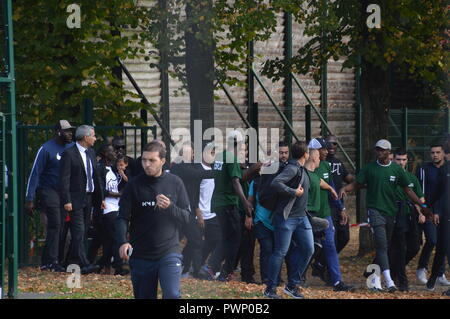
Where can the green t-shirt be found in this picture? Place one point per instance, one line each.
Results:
(382, 182)
(314, 193)
(324, 172)
(224, 194)
(413, 184)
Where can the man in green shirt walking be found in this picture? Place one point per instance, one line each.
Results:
(381, 179)
(227, 194)
(405, 242)
(328, 256)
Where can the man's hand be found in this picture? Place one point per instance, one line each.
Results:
(68, 207)
(248, 222)
(344, 218)
(103, 205)
(342, 193)
(29, 206)
(333, 194)
(248, 207)
(123, 251)
(200, 220)
(299, 191)
(162, 201)
(436, 219)
(426, 212)
(422, 219)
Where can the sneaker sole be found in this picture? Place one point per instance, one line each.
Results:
(287, 292)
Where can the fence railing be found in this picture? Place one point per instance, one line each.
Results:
(415, 130)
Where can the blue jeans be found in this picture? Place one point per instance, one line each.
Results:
(299, 230)
(146, 273)
(331, 255)
(265, 239)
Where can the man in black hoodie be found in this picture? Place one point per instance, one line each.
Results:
(156, 206)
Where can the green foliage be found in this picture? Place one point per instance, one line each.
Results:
(411, 38)
(58, 67)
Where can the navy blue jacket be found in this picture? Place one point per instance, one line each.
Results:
(45, 171)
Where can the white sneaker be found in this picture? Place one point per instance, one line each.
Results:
(422, 276)
(443, 281)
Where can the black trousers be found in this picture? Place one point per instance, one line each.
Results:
(246, 251)
(413, 236)
(230, 223)
(212, 237)
(79, 224)
(109, 243)
(399, 244)
(192, 252)
(50, 205)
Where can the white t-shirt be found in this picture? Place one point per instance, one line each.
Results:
(206, 192)
(112, 185)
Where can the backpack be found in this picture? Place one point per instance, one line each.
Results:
(268, 197)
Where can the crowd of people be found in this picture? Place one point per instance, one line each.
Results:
(140, 211)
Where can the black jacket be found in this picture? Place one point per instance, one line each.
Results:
(192, 175)
(286, 184)
(73, 178)
(153, 232)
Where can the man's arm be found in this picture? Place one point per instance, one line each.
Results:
(64, 177)
(424, 210)
(124, 215)
(351, 188)
(238, 190)
(33, 181)
(280, 181)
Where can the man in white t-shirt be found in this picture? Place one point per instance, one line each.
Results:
(209, 221)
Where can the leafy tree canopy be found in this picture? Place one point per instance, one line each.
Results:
(57, 67)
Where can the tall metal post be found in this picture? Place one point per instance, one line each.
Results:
(308, 131)
(359, 139)
(288, 78)
(88, 111)
(11, 152)
(165, 96)
(405, 128)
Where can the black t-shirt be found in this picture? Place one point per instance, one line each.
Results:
(338, 172)
(154, 232)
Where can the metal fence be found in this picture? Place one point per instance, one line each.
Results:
(415, 130)
(30, 138)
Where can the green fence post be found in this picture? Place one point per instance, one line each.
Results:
(144, 135)
(447, 122)
(405, 128)
(88, 111)
(308, 131)
(3, 209)
(288, 78)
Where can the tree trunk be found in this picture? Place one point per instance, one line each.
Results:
(200, 63)
(375, 97)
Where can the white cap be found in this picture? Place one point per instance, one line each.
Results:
(384, 144)
(317, 144)
(236, 135)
